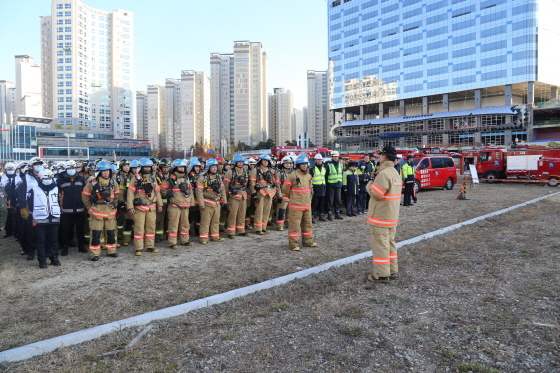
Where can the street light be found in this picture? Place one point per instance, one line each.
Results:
(68, 144)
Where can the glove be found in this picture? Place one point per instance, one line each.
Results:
(24, 213)
(169, 193)
(224, 206)
(255, 197)
(258, 187)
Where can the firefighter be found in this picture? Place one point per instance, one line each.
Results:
(333, 176)
(298, 188)
(250, 214)
(319, 188)
(143, 200)
(211, 195)
(9, 181)
(70, 185)
(194, 211)
(180, 194)
(407, 174)
(262, 182)
(235, 183)
(100, 199)
(161, 176)
(121, 177)
(221, 172)
(42, 201)
(383, 216)
(128, 174)
(287, 169)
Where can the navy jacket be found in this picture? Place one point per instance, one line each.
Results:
(71, 193)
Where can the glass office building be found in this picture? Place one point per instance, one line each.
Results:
(391, 58)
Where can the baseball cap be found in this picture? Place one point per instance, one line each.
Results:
(389, 150)
(409, 157)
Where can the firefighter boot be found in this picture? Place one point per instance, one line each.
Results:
(152, 250)
(381, 280)
(174, 247)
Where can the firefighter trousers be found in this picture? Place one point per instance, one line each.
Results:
(281, 214)
(160, 223)
(98, 227)
(178, 224)
(262, 212)
(300, 224)
(236, 216)
(210, 222)
(384, 250)
(144, 229)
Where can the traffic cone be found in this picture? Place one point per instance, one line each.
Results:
(463, 191)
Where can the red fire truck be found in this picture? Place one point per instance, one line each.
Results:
(521, 163)
(548, 168)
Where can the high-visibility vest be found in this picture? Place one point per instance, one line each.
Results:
(319, 175)
(335, 174)
(407, 170)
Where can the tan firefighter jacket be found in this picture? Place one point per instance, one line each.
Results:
(236, 181)
(385, 196)
(143, 193)
(180, 186)
(100, 197)
(282, 177)
(258, 184)
(298, 188)
(210, 190)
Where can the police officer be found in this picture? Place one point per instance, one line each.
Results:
(180, 194)
(210, 193)
(298, 189)
(235, 183)
(44, 209)
(9, 181)
(383, 217)
(334, 171)
(318, 173)
(143, 200)
(350, 187)
(100, 199)
(287, 169)
(70, 185)
(407, 174)
(263, 189)
(161, 176)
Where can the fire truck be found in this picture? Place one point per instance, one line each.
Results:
(281, 151)
(548, 168)
(520, 163)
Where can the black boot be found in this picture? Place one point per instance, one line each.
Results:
(55, 261)
(338, 216)
(43, 264)
(82, 249)
(64, 251)
(72, 244)
(313, 221)
(322, 218)
(329, 217)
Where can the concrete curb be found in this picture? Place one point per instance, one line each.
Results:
(49, 345)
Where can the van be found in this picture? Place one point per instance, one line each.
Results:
(433, 171)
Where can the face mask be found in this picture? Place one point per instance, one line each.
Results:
(38, 168)
(47, 182)
(71, 172)
(10, 172)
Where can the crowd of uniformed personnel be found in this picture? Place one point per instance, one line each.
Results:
(109, 204)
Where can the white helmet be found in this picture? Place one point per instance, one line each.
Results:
(10, 166)
(318, 156)
(70, 164)
(60, 164)
(252, 161)
(335, 153)
(34, 160)
(46, 174)
(287, 159)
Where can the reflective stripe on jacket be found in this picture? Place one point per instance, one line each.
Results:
(385, 196)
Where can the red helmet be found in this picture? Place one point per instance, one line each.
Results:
(220, 160)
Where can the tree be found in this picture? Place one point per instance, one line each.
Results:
(291, 142)
(265, 144)
(311, 145)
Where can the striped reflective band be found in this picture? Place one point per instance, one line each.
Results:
(301, 190)
(391, 197)
(380, 260)
(377, 189)
(300, 207)
(381, 222)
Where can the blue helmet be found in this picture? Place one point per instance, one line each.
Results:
(195, 162)
(211, 162)
(179, 163)
(246, 162)
(302, 158)
(238, 158)
(265, 157)
(134, 163)
(145, 162)
(114, 168)
(102, 166)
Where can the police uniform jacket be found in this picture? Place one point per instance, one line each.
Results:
(3, 207)
(100, 197)
(42, 202)
(236, 181)
(205, 192)
(71, 192)
(178, 190)
(385, 196)
(10, 182)
(350, 182)
(298, 189)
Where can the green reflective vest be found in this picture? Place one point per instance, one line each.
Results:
(335, 173)
(319, 175)
(407, 170)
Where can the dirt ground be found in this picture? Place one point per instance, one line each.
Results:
(462, 308)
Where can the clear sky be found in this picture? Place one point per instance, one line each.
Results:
(175, 35)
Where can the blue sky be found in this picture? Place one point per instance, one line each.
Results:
(175, 35)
